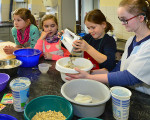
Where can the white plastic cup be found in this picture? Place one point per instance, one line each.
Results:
(44, 67)
(20, 91)
(120, 102)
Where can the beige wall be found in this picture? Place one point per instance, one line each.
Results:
(109, 8)
(5, 10)
(5, 4)
(66, 17)
(36, 6)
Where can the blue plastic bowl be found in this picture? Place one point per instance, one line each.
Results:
(46, 103)
(29, 57)
(6, 117)
(4, 78)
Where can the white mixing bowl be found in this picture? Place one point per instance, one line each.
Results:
(99, 92)
(82, 62)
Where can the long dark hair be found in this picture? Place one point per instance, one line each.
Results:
(97, 17)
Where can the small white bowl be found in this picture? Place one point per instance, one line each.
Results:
(44, 67)
(99, 92)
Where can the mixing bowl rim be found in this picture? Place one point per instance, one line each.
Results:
(5, 80)
(116, 87)
(58, 97)
(9, 116)
(85, 104)
(12, 67)
(27, 55)
(57, 66)
(19, 78)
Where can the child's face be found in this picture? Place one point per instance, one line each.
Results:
(50, 26)
(96, 30)
(19, 23)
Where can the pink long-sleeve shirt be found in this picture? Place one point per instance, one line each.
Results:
(54, 48)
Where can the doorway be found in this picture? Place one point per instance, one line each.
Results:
(82, 7)
(78, 16)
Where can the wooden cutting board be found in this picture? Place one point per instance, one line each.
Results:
(3, 55)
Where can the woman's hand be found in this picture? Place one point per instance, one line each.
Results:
(80, 45)
(43, 35)
(81, 74)
(9, 49)
(47, 56)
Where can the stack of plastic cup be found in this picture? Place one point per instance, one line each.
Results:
(20, 91)
(120, 102)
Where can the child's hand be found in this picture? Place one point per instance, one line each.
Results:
(43, 35)
(60, 33)
(47, 56)
(9, 49)
(80, 45)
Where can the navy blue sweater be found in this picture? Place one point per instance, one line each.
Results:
(106, 46)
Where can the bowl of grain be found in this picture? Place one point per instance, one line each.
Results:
(47, 107)
(67, 65)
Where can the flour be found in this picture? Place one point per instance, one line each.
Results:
(71, 64)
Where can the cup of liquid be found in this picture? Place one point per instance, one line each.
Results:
(120, 102)
(20, 91)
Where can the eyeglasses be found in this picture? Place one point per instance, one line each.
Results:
(126, 21)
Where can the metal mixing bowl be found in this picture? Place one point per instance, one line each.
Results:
(10, 67)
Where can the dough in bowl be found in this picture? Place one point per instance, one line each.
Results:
(3, 55)
(83, 98)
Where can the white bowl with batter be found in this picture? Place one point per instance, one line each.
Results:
(82, 63)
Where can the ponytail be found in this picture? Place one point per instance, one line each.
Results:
(146, 9)
(109, 27)
(33, 21)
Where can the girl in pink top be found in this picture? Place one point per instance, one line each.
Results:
(49, 42)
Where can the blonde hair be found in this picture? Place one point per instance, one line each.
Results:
(136, 7)
(25, 14)
(47, 17)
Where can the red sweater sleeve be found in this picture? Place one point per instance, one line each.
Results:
(66, 52)
(39, 45)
